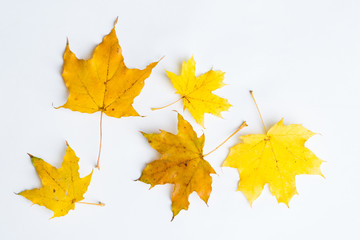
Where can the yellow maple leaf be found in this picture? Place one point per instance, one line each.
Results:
(181, 163)
(61, 187)
(103, 83)
(274, 158)
(196, 92)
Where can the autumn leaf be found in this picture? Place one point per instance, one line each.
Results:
(196, 92)
(182, 163)
(274, 158)
(103, 83)
(61, 187)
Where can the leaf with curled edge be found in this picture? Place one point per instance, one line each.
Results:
(182, 163)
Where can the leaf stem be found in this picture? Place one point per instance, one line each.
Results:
(96, 204)
(241, 127)
(98, 160)
(167, 105)
(252, 95)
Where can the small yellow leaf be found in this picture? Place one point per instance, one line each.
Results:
(275, 158)
(103, 83)
(61, 187)
(181, 163)
(197, 91)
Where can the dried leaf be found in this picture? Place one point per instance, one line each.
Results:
(103, 83)
(61, 187)
(181, 163)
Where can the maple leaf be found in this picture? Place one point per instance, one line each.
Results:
(196, 92)
(274, 158)
(182, 163)
(103, 83)
(61, 187)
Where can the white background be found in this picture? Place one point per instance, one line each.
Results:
(301, 58)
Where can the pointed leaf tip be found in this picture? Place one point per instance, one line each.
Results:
(161, 58)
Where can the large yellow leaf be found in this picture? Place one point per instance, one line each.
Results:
(61, 187)
(181, 163)
(103, 83)
(197, 93)
(275, 158)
